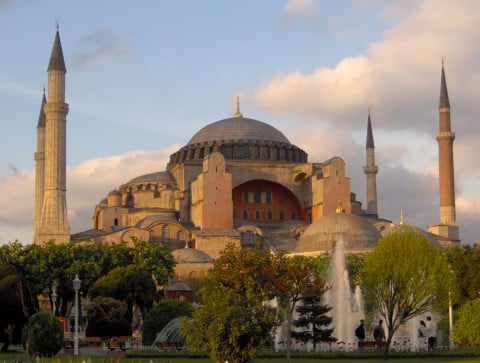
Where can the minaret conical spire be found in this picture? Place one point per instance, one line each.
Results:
(444, 101)
(56, 57)
(370, 170)
(41, 115)
(370, 143)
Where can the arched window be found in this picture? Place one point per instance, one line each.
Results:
(258, 215)
(115, 222)
(180, 238)
(269, 215)
(248, 239)
(281, 216)
(245, 214)
(165, 233)
(293, 215)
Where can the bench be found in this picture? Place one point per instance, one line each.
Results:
(169, 345)
(371, 344)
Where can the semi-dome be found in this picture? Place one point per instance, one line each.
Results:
(358, 234)
(238, 129)
(158, 177)
(190, 255)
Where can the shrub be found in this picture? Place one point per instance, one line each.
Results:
(42, 334)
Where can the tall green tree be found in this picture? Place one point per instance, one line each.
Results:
(17, 303)
(465, 264)
(466, 331)
(405, 276)
(130, 284)
(312, 321)
(289, 279)
(234, 321)
(42, 334)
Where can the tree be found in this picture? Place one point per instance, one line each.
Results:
(160, 315)
(106, 318)
(312, 320)
(43, 334)
(289, 279)
(131, 284)
(234, 320)
(466, 330)
(465, 263)
(405, 276)
(17, 303)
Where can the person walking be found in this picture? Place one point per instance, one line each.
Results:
(431, 334)
(379, 333)
(422, 335)
(360, 331)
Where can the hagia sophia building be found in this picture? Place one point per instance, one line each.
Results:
(236, 180)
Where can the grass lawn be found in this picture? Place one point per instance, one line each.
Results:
(119, 358)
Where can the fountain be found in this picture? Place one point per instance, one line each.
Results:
(171, 336)
(347, 308)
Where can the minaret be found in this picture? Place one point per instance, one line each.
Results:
(53, 221)
(371, 170)
(447, 229)
(39, 157)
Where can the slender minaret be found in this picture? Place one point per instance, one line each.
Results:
(445, 138)
(371, 170)
(53, 220)
(447, 229)
(39, 157)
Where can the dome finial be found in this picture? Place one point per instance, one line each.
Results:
(238, 114)
(340, 209)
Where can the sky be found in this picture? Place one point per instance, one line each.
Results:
(144, 76)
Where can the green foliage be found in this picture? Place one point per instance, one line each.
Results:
(312, 320)
(42, 334)
(52, 264)
(16, 304)
(405, 276)
(465, 264)
(290, 279)
(234, 321)
(466, 330)
(160, 315)
(106, 318)
(131, 284)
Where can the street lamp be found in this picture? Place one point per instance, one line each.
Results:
(54, 298)
(450, 321)
(76, 286)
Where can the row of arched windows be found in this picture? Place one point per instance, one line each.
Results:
(269, 216)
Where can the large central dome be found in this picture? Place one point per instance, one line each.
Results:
(239, 138)
(238, 129)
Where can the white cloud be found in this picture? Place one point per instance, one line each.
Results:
(87, 184)
(399, 78)
(299, 9)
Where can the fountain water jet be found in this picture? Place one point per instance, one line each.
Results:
(347, 308)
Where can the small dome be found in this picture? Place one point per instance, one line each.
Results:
(190, 255)
(160, 176)
(115, 192)
(104, 202)
(238, 128)
(357, 233)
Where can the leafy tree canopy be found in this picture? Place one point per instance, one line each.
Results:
(404, 276)
(234, 320)
(466, 330)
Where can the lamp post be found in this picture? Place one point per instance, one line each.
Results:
(54, 298)
(76, 287)
(450, 321)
